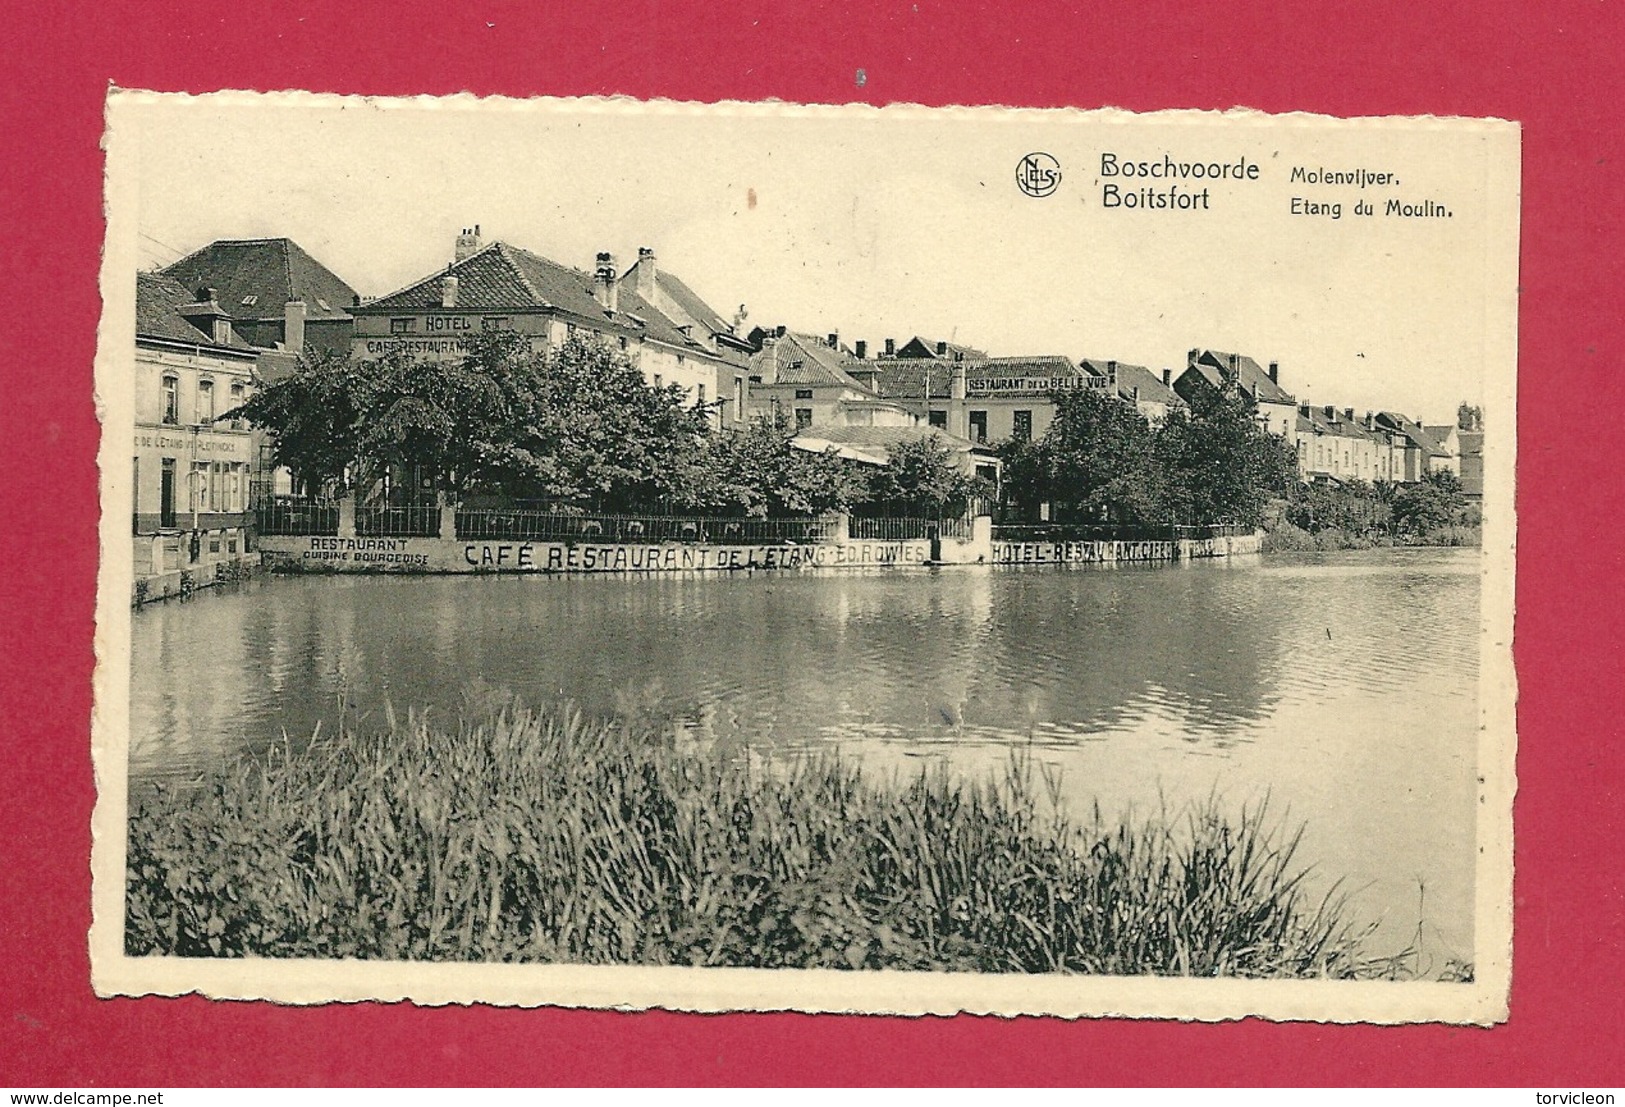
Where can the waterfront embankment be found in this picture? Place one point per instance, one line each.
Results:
(546, 837)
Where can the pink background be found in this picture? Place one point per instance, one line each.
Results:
(1552, 66)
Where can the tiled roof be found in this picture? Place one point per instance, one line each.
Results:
(804, 359)
(158, 301)
(927, 348)
(684, 298)
(908, 378)
(1214, 364)
(1413, 431)
(1130, 377)
(255, 277)
(506, 278)
(1341, 427)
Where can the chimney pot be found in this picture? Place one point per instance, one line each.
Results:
(647, 273)
(891, 347)
(861, 348)
(1167, 378)
(1275, 371)
(468, 244)
(605, 290)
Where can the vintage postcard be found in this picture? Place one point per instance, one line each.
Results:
(833, 559)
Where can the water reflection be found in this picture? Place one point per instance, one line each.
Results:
(1341, 684)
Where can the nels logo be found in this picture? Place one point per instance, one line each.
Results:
(1038, 174)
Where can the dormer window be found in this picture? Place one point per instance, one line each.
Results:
(323, 304)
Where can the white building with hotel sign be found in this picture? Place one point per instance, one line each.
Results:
(667, 331)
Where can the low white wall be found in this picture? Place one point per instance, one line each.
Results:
(443, 555)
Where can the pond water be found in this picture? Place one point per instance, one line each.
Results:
(1341, 685)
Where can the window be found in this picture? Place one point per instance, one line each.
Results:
(978, 426)
(172, 400)
(803, 418)
(237, 396)
(205, 401)
(1022, 424)
(403, 326)
(937, 419)
(250, 301)
(198, 487)
(803, 393)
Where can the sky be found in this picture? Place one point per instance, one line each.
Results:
(878, 223)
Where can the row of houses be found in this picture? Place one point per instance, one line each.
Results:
(238, 313)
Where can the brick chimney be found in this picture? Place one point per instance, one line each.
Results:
(1348, 414)
(1111, 371)
(1275, 372)
(833, 339)
(293, 325)
(942, 348)
(891, 347)
(646, 273)
(1167, 377)
(957, 384)
(1192, 357)
(448, 291)
(1331, 413)
(468, 243)
(605, 289)
(861, 349)
(1235, 364)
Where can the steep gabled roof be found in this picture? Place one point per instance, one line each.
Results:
(922, 347)
(158, 303)
(1130, 377)
(1414, 431)
(506, 278)
(1215, 365)
(803, 359)
(255, 277)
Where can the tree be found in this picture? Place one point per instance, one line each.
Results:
(756, 471)
(1218, 463)
(1098, 454)
(316, 418)
(576, 423)
(1435, 501)
(922, 477)
(1469, 417)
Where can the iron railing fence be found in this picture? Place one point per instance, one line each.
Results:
(1112, 532)
(903, 528)
(296, 515)
(542, 526)
(397, 520)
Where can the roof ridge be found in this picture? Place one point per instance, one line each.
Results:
(506, 252)
(287, 269)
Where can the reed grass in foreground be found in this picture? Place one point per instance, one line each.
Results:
(542, 837)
